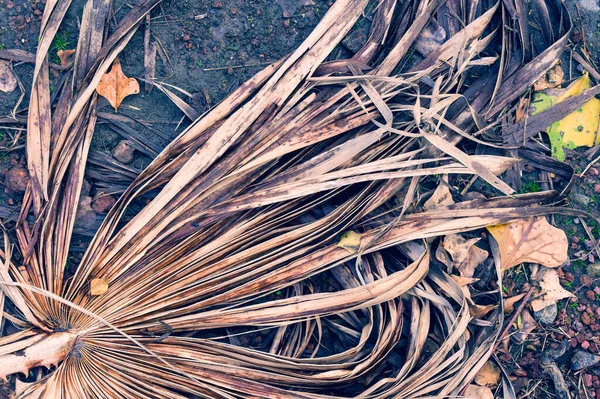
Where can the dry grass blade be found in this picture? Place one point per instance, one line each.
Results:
(239, 240)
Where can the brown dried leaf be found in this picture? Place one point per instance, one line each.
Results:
(115, 86)
(552, 291)
(65, 56)
(465, 255)
(530, 240)
(463, 281)
(509, 303)
(522, 109)
(441, 197)
(478, 392)
(479, 311)
(488, 375)
(553, 78)
(98, 286)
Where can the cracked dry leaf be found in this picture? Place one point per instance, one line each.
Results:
(552, 291)
(98, 286)
(441, 197)
(350, 241)
(478, 392)
(530, 240)
(465, 255)
(488, 375)
(115, 86)
(579, 128)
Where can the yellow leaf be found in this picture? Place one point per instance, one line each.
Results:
(530, 240)
(488, 375)
(579, 128)
(350, 241)
(98, 286)
(115, 86)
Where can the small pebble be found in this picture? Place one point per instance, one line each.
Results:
(582, 360)
(102, 203)
(597, 188)
(123, 152)
(585, 345)
(16, 179)
(587, 380)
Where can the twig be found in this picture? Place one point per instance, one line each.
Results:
(514, 316)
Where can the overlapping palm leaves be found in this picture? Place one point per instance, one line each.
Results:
(239, 238)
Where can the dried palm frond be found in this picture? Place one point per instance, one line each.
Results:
(240, 239)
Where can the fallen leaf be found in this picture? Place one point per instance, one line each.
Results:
(488, 375)
(476, 311)
(530, 240)
(579, 128)
(479, 311)
(478, 392)
(551, 79)
(8, 80)
(115, 86)
(522, 109)
(441, 197)
(509, 303)
(552, 291)
(65, 56)
(525, 325)
(350, 241)
(463, 281)
(465, 255)
(98, 286)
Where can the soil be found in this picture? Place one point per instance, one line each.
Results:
(208, 48)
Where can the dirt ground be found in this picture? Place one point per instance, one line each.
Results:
(208, 48)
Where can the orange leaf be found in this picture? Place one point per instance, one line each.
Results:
(98, 286)
(65, 56)
(488, 375)
(530, 240)
(115, 86)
